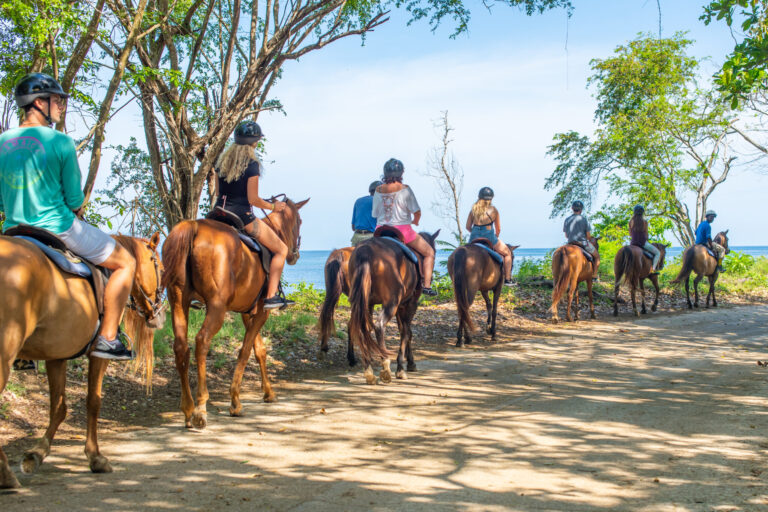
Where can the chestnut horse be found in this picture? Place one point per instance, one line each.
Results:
(569, 268)
(51, 316)
(336, 283)
(381, 274)
(472, 269)
(632, 267)
(697, 259)
(206, 260)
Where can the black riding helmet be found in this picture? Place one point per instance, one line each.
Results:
(639, 209)
(247, 133)
(393, 168)
(37, 85)
(485, 193)
(577, 205)
(373, 186)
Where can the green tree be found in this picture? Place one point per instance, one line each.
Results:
(660, 140)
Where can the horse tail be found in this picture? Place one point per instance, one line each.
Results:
(360, 322)
(333, 288)
(460, 288)
(687, 267)
(561, 271)
(176, 251)
(622, 267)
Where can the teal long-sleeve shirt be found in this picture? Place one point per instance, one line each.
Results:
(39, 178)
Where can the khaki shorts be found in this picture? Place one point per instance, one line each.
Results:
(88, 242)
(361, 237)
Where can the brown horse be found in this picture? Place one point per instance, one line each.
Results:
(51, 316)
(206, 260)
(569, 268)
(632, 267)
(381, 274)
(472, 269)
(697, 259)
(336, 283)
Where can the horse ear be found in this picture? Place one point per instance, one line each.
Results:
(513, 247)
(302, 203)
(154, 240)
(434, 235)
(726, 231)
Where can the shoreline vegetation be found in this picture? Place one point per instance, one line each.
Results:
(293, 346)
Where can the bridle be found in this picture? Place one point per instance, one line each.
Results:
(153, 307)
(297, 241)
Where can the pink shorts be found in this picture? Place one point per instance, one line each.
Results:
(409, 235)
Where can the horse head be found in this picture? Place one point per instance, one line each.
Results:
(722, 239)
(289, 230)
(663, 250)
(430, 238)
(512, 252)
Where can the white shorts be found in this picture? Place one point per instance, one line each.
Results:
(88, 242)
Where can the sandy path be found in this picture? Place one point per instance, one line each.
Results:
(633, 415)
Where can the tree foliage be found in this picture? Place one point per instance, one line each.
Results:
(659, 141)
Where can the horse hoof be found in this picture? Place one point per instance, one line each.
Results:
(594, 316)
(411, 367)
(386, 377)
(352, 362)
(460, 344)
(7, 478)
(370, 379)
(555, 320)
(199, 421)
(401, 375)
(645, 312)
(100, 464)
(696, 305)
(493, 337)
(637, 314)
(31, 462)
(270, 397)
(236, 411)
(653, 308)
(321, 354)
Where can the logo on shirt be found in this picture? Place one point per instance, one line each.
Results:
(22, 160)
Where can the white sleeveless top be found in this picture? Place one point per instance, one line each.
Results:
(395, 208)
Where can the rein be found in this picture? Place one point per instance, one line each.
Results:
(297, 242)
(155, 306)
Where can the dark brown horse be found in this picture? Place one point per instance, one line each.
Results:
(697, 259)
(50, 316)
(569, 268)
(632, 267)
(207, 261)
(472, 269)
(336, 283)
(381, 274)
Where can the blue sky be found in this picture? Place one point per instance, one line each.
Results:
(508, 85)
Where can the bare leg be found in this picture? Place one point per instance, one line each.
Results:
(502, 249)
(96, 369)
(123, 267)
(279, 252)
(57, 381)
(428, 258)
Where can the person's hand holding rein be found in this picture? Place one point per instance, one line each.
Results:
(278, 206)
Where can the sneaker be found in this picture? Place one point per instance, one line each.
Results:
(429, 292)
(508, 282)
(720, 269)
(277, 302)
(111, 349)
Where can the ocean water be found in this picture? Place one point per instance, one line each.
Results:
(310, 266)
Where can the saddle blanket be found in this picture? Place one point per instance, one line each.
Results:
(406, 250)
(498, 258)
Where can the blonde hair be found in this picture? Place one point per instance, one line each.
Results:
(482, 207)
(234, 160)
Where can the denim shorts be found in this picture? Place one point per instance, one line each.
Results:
(483, 232)
(88, 242)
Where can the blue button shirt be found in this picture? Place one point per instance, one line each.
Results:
(361, 214)
(703, 232)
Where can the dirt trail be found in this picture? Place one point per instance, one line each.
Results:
(661, 413)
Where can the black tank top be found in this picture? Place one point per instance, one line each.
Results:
(236, 193)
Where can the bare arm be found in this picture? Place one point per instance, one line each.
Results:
(416, 218)
(497, 223)
(255, 200)
(469, 222)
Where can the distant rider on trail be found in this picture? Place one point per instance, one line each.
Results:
(638, 232)
(40, 186)
(393, 205)
(237, 171)
(484, 222)
(577, 231)
(363, 222)
(704, 237)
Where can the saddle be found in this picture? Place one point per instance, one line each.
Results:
(709, 251)
(68, 262)
(586, 254)
(486, 244)
(227, 217)
(396, 237)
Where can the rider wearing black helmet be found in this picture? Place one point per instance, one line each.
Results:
(363, 222)
(484, 221)
(237, 185)
(638, 232)
(40, 186)
(577, 231)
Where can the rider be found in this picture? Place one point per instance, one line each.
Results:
(363, 223)
(237, 171)
(638, 231)
(704, 237)
(482, 216)
(40, 186)
(393, 205)
(577, 231)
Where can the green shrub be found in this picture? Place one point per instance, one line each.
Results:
(306, 296)
(738, 263)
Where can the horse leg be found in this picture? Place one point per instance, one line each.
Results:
(350, 350)
(180, 321)
(260, 353)
(642, 297)
(236, 407)
(633, 293)
(407, 318)
(578, 303)
(488, 309)
(495, 309)
(96, 369)
(403, 330)
(711, 291)
(214, 318)
(57, 380)
(688, 293)
(387, 312)
(616, 286)
(591, 301)
(655, 280)
(696, 289)
(571, 287)
(7, 479)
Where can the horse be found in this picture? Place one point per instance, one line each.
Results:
(206, 260)
(381, 273)
(697, 259)
(336, 283)
(569, 268)
(51, 316)
(472, 269)
(631, 266)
